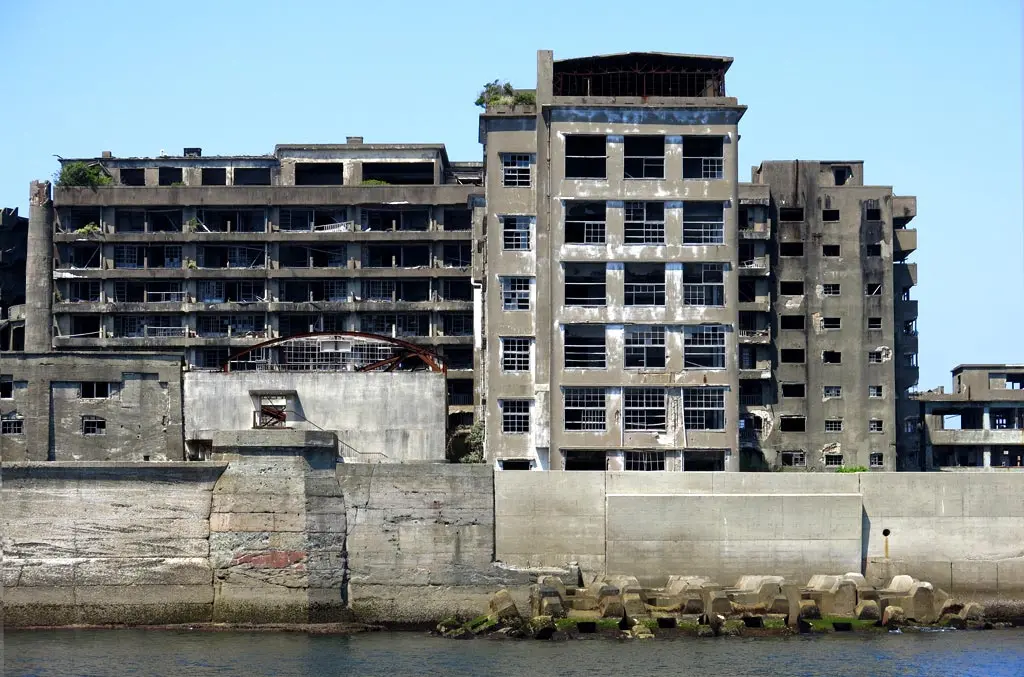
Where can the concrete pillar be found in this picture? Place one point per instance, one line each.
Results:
(39, 270)
(986, 455)
(986, 419)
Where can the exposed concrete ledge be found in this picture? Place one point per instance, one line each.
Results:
(175, 471)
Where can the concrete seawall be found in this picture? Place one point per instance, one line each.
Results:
(290, 537)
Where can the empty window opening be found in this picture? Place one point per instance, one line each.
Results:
(791, 249)
(791, 213)
(829, 215)
(133, 177)
(829, 323)
(704, 346)
(703, 460)
(231, 220)
(791, 356)
(251, 176)
(832, 392)
(72, 220)
(873, 250)
(93, 425)
(831, 289)
(319, 174)
(231, 257)
(747, 289)
(454, 290)
(515, 354)
(875, 357)
(877, 459)
(395, 219)
(791, 287)
(704, 284)
(164, 292)
(164, 221)
(833, 460)
(704, 408)
(644, 222)
(793, 459)
(457, 255)
(515, 168)
(387, 256)
(873, 289)
(644, 157)
(516, 464)
(703, 223)
(399, 173)
(643, 409)
(644, 461)
(458, 357)
(841, 174)
(645, 284)
(231, 325)
(87, 291)
(873, 214)
(458, 219)
(703, 157)
(752, 393)
(214, 176)
(874, 323)
(585, 346)
(584, 460)
(129, 291)
(585, 222)
(794, 390)
(515, 231)
(584, 409)
(585, 284)
(169, 176)
(830, 250)
(515, 416)
(832, 357)
(875, 391)
(748, 357)
(129, 221)
(585, 156)
(791, 322)
(85, 326)
(793, 424)
(457, 324)
(875, 425)
(6, 387)
(645, 347)
(398, 324)
(515, 293)
(833, 425)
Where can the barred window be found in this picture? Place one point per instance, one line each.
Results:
(516, 169)
(644, 222)
(515, 293)
(834, 425)
(832, 392)
(704, 284)
(584, 409)
(515, 416)
(645, 347)
(644, 460)
(515, 354)
(644, 408)
(516, 232)
(704, 347)
(703, 223)
(704, 408)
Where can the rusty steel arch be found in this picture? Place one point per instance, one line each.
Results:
(379, 353)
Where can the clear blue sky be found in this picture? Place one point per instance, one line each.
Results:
(927, 93)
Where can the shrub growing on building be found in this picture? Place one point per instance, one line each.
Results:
(82, 174)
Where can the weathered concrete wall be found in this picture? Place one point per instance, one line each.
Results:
(378, 417)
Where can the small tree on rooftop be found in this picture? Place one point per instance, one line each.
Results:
(82, 174)
(496, 92)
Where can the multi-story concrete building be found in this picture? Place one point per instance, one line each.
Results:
(611, 267)
(211, 255)
(978, 425)
(828, 335)
(13, 239)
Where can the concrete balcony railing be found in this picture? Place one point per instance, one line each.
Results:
(755, 231)
(975, 437)
(763, 371)
(904, 241)
(904, 275)
(760, 304)
(755, 266)
(904, 208)
(906, 310)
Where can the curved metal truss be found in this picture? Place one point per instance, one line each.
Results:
(335, 351)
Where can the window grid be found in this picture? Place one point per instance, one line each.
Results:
(704, 284)
(795, 459)
(875, 425)
(703, 223)
(645, 347)
(516, 233)
(830, 289)
(515, 293)
(704, 408)
(832, 392)
(834, 425)
(874, 391)
(516, 169)
(644, 461)
(876, 459)
(515, 354)
(584, 409)
(833, 460)
(515, 416)
(644, 409)
(583, 351)
(704, 347)
(875, 357)
(644, 222)
(93, 425)
(12, 426)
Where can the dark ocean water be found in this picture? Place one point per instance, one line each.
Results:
(103, 653)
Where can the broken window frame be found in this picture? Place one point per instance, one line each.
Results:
(876, 425)
(704, 408)
(704, 346)
(515, 232)
(638, 166)
(579, 282)
(699, 165)
(833, 425)
(704, 284)
(831, 289)
(702, 223)
(832, 392)
(516, 170)
(831, 323)
(584, 231)
(515, 293)
(872, 289)
(644, 293)
(515, 353)
(834, 461)
(585, 164)
(457, 324)
(94, 425)
(643, 225)
(584, 352)
(876, 392)
(584, 409)
(644, 409)
(874, 323)
(876, 460)
(93, 290)
(12, 423)
(515, 416)
(874, 357)
(793, 459)
(380, 291)
(129, 256)
(97, 390)
(643, 461)
(644, 347)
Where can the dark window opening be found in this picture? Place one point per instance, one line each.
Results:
(793, 424)
(395, 219)
(873, 214)
(252, 176)
(585, 156)
(585, 222)
(451, 290)
(793, 390)
(791, 213)
(164, 221)
(94, 390)
(873, 250)
(169, 176)
(133, 177)
(585, 460)
(645, 347)
(399, 173)
(830, 250)
(832, 357)
(75, 219)
(703, 460)
(638, 75)
(791, 288)
(460, 391)
(458, 357)
(791, 356)
(85, 326)
(791, 322)
(645, 284)
(231, 221)
(585, 346)
(830, 215)
(791, 249)
(644, 157)
(703, 158)
(831, 323)
(215, 176)
(402, 256)
(793, 459)
(516, 464)
(6, 388)
(319, 174)
(747, 290)
(874, 323)
(841, 176)
(458, 219)
(458, 255)
(585, 284)
(873, 289)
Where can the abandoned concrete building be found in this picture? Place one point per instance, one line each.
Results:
(13, 240)
(646, 311)
(980, 424)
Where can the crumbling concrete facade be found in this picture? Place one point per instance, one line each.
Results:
(979, 425)
(13, 242)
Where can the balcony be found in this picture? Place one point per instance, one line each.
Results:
(904, 208)
(755, 231)
(906, 310)
(972, 437)
(759, 373)
(757, 266)
(904, 242)
(755, 336)
(904, 275)
(759, 304)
